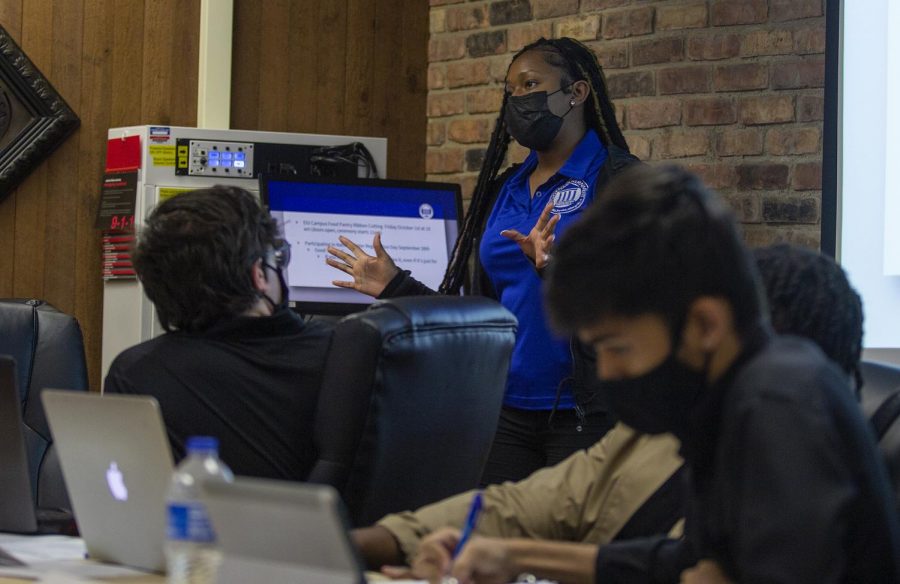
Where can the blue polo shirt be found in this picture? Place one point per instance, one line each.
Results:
(540, 359)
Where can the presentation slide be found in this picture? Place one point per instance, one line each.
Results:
(415, 243)
(869, 181)
(417, 222)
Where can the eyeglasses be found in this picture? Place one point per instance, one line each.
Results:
(281, 254)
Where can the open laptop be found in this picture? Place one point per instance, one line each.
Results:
(117, 465)
(280, 532)
(17, 506)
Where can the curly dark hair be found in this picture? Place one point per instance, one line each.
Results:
(195, 256)
(653, 241)
(810, 296)
(577, 62)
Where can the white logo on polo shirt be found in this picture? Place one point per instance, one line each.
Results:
(569, 196)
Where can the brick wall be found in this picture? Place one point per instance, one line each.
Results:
(730, 88)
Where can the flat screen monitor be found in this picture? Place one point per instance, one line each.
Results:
(418, 222)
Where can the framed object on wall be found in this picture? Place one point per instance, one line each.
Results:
(34, 118)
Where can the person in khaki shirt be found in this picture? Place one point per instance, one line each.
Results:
(594, 496)
(589, 497)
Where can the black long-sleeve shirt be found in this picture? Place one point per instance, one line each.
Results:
(784, 481)
(253, 382)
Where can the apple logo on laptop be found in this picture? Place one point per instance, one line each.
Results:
(116, 482)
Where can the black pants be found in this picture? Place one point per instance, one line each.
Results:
(528, 440)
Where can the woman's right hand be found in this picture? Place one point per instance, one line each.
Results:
(536, 245)
(371, 274)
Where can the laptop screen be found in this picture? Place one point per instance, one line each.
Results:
(117, 464)
(276, 531)
(418, 222)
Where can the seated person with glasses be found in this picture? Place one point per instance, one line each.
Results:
(234, 362)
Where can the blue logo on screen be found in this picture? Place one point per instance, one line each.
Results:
(426, 211)
(570, 196)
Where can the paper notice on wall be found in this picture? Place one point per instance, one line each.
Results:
(166, 193)
(123, 154)
(118, 194)
(162, 154)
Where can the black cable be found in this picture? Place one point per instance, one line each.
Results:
(354, 153)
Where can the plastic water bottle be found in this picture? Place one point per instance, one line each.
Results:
(192, 556)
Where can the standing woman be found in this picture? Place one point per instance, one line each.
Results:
(555, 103)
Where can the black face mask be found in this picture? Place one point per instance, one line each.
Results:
(284, 290)
(660, 400)
(530, 120)
(281, 254)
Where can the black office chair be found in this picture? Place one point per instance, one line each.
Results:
(410, 400)
(49, 352)
(880, 398)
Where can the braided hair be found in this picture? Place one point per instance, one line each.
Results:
(809, 295)
(578, 63)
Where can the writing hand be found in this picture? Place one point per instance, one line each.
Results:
(484, 560)
(399, 573)
(536, 245)
(435, 555)
(705, 572)
(370, 273)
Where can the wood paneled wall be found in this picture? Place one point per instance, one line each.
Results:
(353, 67)
(337, 66)
(117, 63)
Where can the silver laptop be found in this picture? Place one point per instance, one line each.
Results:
(280, 532)
(117, 465)
(17, 510)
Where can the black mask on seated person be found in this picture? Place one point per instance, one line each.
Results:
(281, 256)
(284, 290)
(660, 400)
(530, 121)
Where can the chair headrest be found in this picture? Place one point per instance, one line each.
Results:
(880, 380)
(426, 312)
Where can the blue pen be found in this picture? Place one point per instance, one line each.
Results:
(471, 522)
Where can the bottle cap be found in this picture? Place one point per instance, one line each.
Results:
(202, 444)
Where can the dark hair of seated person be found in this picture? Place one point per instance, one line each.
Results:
(653, 241)
(195, 255)
(810, 295)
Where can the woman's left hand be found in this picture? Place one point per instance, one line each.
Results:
(371, 274)
(536, 245)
